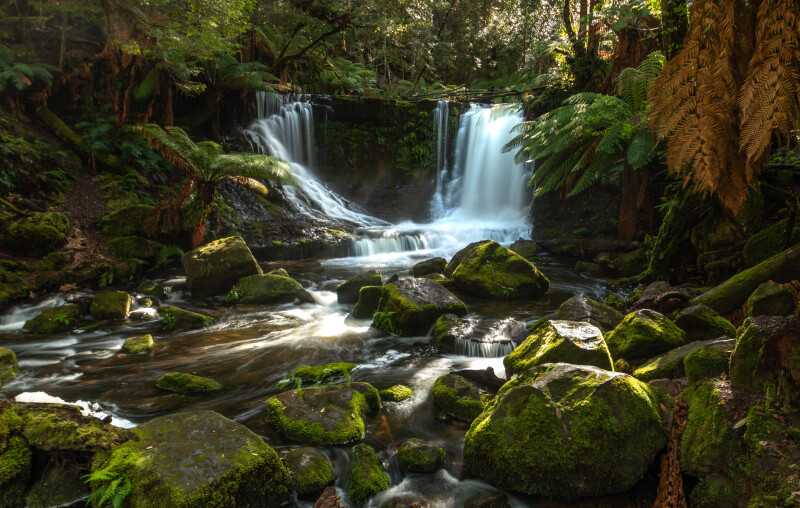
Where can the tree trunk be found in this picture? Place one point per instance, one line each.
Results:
(674, 25)
(63, 49)
(634, 193)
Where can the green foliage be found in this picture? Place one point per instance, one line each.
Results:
(135, 265)
(343, 77)
(233, 295)
(168, 254)
(17, 76)
(592, 136)
(385, 321)
(110, 488)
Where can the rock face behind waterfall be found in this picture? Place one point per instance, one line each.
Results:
(411, 305)
(566, 430)
(214, 268)
(487, 269)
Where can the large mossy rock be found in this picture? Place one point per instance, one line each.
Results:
(348, 291)
(411, 305)
(671, 364)
(766, 243)
(141, 344)
(709, 361)
(270, 288)
(565, 430)
(199, 458)
(642, 334)
(707, 439)
(418, 456)
(8, 365)
(151, 288)
(15, 460)
(128, 221)
(396, 393)
(560, 342)
(368, 299)
(525, 248)
(53, 320)
(477, 335)
(367, 477)
(128, 247)
(326, 415)
(213, 269)
(181, 382)
(61, 485)
(750, 340)
(311, 471)
(179, 319)
(38, 234)
(429, 266)
(770, 299)
(460, 398)
(489, 270)
(325, 373)
(581, 308)
(632, 263)
(699, 322)
(111, 305)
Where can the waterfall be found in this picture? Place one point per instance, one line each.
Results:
(285, 129)
(441, 124)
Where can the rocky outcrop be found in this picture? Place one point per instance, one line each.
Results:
(412, 305)
(271, 288)
(311, 471)
(348, 291)
(53, 320)
(214, 268)
(418, 456)
(642, 334)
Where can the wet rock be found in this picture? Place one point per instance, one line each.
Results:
(586, 248)
(39, 233)
(477, 336)
(642, 334)
(8, 365)
(766, 243)
(771, 299)
(661, 297)
(709, 360)
(460, 398)
(271, 288)
(150, 288)
(111, 305)
(367, 477)
(279, 271)
(368, 299)
(128, 221)
(750, 340)
(199, 458)
(134, 345)
(214, 268)
(179, 319)
(297, 267)
(488, 500)
(560, 342)
(326, 415)
(489, 270)
(348, 291)
(671, 364)
(672, 387)
(555, 430)
(311, 471)
(396, 393)
(418, 456)
(322, 373)
(53, 320)
(703, 323)
(632, 263)
(580, 308)
(328, 499)
(412, 305)
(590, 269)
(61, 485)
(433, 265)
(525, 248)
(708, 435)
(128, 247)
(180, 382)
(485, 377)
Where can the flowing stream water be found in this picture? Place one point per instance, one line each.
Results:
(250, 349)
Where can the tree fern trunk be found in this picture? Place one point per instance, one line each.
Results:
(674, 25)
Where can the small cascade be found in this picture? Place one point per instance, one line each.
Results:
(483, 337)
(393, 240)
(441, 123)
(466, 347)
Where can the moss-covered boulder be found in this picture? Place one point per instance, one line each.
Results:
(324, 373)
(642, 334)
(565, 430)
(699, 322)
(460, 398)
(135, 345)
(396, 393)
(179, 319)
(213, 268)
(111, 305)
(750, 340)
(671, 364)
(39, 233)
(12, 285)
(348, 291)
(367, 477)
(632, 263)
(53, 320)
(15, 459)
(181, 382)
(477, 335)
(418, 456)
(560, 342)
(411, 305)
(128, 221)
(311, 471)
(766, 243)
(61, 485)
(326, 415)
(128, 247)
(770, 299)
(368, 299)
(151, 288)
(8, 365)
(708, 361)
(708, 436)
(198, 458)
(525, 248)
(583, 309)
(429, 266)
(269, 288)
(489, 270)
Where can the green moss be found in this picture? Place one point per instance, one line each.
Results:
(766, 243)
(112, 305)
(429, 266)
(368, 299)
(128, 221)
(712, 492)
(213, 268)
(15, 459)
(12, 286)
(710, 360)
(128, 247)
(322, 373)
(770, 299)
(179, 319)
(348, 291)
(707, 439)
(148, 287)
(8, 365)
(134, 345)
(53, 320)
(311, 471)
(671, 364)
(367, 477)
(459, 398)
(413, 306)
(39, 234)
(60, 486)
(396, 393)
(750, 341)
(642, 334)
(418, 456)
(181, 382)
(633, 263)
(560, 341)
(54, 261)
(270, 288)
(703, 323)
